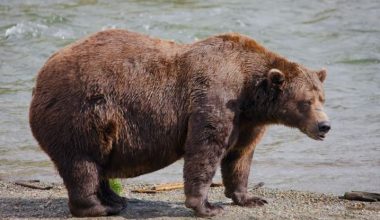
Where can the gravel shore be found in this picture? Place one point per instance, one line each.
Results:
(22, 202)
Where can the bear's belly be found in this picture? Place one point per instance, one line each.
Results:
(148, 141)
(137, 163)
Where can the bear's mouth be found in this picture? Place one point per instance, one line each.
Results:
(316, 136)
(321, 137)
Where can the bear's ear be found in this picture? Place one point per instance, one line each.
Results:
(276, 78)
(322, 74)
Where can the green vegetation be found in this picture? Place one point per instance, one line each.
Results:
(116, 186)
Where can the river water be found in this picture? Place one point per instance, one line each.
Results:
(343, 36)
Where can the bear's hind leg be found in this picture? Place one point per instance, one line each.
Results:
(82, 180)
(109, 197)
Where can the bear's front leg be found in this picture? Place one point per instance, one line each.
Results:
(236, 167)
(204, 149)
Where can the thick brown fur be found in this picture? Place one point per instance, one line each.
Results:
(122, 104)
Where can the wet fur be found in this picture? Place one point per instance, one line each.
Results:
(122, 104)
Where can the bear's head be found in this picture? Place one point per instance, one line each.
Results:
(298, 98)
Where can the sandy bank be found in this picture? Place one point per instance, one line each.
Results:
(21, 202)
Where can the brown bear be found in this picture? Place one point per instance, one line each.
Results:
(119, 104)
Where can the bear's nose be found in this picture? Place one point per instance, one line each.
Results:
(324, 126)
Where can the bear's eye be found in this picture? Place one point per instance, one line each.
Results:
(307, 102)
(321, 99)
(305, 105)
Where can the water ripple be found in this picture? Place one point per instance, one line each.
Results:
(25, 29)
(360, 61)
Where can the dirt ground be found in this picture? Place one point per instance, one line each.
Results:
(22, 202)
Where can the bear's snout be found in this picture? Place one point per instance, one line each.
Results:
(323, 128)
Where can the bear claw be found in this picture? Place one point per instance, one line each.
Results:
(251, 202)
(209, 210)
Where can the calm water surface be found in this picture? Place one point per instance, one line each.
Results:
(343, 36)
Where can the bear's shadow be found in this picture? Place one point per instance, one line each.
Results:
(141, 209)
(58, 208)
(34, 208)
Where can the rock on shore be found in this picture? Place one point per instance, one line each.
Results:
(22, 202)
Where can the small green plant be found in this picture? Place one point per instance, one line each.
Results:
(116, 185)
